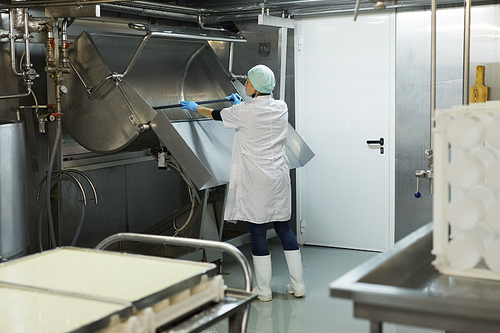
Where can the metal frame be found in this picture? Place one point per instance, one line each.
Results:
(236, 320)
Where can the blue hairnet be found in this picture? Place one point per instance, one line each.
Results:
(262, 78)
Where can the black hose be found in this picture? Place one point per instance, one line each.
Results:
(80, 222)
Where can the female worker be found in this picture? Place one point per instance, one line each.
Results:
(259, 186)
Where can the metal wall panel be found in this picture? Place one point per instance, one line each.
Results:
(413, 93)
(152, 194)
(130, 198)
(108, 217)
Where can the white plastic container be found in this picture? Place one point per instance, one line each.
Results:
(467, 191)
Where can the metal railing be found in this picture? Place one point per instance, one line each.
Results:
(192, 243)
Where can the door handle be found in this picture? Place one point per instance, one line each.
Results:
(376, 142)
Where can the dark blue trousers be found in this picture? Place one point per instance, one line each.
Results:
(259, 241)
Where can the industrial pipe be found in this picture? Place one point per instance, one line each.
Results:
(12, 45)
(29, 74)
(27, 57)
(136, 53)
(467, 9)
(433, 63)
(282, 45)
(231, 60)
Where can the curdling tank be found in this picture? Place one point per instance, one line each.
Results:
(118, 79)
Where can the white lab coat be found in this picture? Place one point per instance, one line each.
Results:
(259, 182)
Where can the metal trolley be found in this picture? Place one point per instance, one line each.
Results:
(235, 305)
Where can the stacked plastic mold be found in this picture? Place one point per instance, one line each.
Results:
(467, 191)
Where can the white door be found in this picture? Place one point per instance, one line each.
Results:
(345, 96)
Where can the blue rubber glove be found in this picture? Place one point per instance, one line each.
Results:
(235, 98)
(190, 105)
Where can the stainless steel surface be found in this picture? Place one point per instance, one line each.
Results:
(433, 64)
(413, 121)
(283, 33)
(192, 243)
(14, 219)
(216, 154)
(227, 307)
(297, 151)
(402, 286)
(131, 197)
(273, 21)
(212, 143)
(12, 48)
(98, 129)
(156, 11)
(195, 169)
(73, 11)
(193, 73)
(189, 33)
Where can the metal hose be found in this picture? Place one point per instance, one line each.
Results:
(47, 184)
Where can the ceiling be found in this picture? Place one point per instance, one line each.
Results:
(213, 11)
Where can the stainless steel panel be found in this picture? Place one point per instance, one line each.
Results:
(165, 72)
(14, 220)
(413, 50)
(190, 163)
(73, 11)
(413, 104)
(297, 151)
(212, 143)
(108, 121)
(152, 195)
(168, 71)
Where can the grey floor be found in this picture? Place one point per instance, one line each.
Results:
(317, 312)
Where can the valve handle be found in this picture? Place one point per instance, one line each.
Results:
(417, 194)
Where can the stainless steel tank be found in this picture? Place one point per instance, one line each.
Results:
(107, 111)
(14, 220)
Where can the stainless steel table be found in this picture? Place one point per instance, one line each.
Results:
(401, 285)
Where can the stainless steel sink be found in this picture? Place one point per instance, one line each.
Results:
(402, 286)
